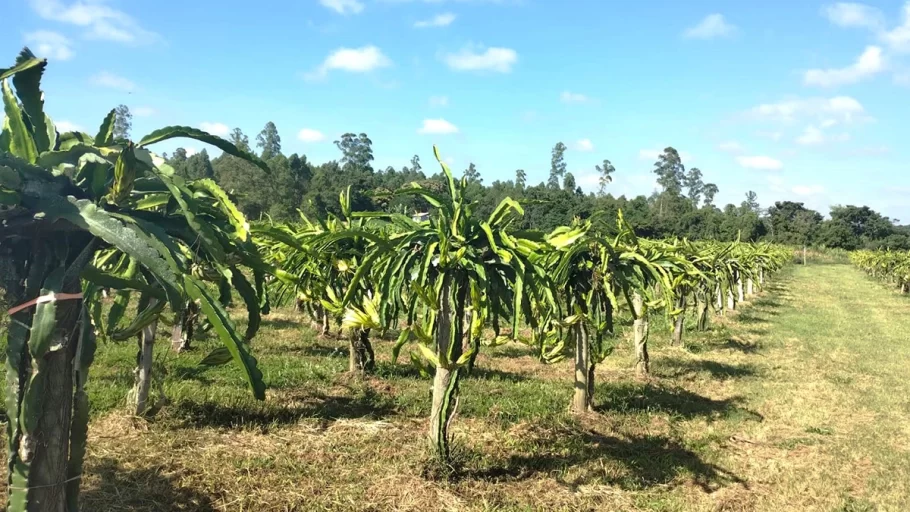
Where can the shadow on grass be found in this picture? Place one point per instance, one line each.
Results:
(510, 351)
(408, 371)
(675, 368)
(280, 323)
(322, 351)
(746, 347)
(124, 379)
(644, 461)
(750, 316)
(768, 303)
(290, 409)
(196, 373)
(145, 489)
(631, 398)
(305, 349)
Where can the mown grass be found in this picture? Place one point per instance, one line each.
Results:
(799, 401)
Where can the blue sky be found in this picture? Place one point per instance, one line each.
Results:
(803, 100)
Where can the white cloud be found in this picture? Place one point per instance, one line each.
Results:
(100, 20)
(475, 58)
(439, 101)
(353, 60)
(879, 150)
(66, 126)
(869, 63)
(437, 127)
(763, 163)
(343, 6)
(843, 105)
(711, 27)
(219, 129)
(828, 123)
(573, 97)
(588, 179)
(143, 111)
(190, 151)
(776, 182)
(654, 154)
(813, 136)
(842, 108)
(808, 190)
(846, 14)
(899, 37)
(310, 135)
(584, 145)
(871, 18)
(775, 136)
(730, 147)
(107, 79)
(440, 20)
(50, 45)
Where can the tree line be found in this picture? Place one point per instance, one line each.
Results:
(684, 206)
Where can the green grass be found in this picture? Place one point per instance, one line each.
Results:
(799, 401)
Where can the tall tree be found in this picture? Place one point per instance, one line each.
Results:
(269, 141)
(301, 171)
(123, 122)
(792, 223)
(670, 171)
(557, 165)
(472, 174)
(805, 223)
(568, 183)
(521, 178)
(356, 151)
(694, 185)
(710, 190)
(415, 164)
(197, 167)
(249, 186)
(606, 170)
(670, 174)
(178, 161)
(240, 139)
(751, 202)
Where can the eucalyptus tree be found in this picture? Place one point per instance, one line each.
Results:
(606, 176)
(65, 198)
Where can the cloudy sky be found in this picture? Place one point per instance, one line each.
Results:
(803, 100)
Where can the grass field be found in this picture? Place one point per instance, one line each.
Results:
(800, 401)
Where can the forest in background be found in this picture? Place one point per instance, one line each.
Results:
(683, 207)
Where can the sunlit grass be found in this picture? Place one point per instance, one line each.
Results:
(799, 401)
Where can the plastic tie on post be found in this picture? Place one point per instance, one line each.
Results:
(50, 297)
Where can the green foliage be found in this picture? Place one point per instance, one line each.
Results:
(108, 211)
(889, 266)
